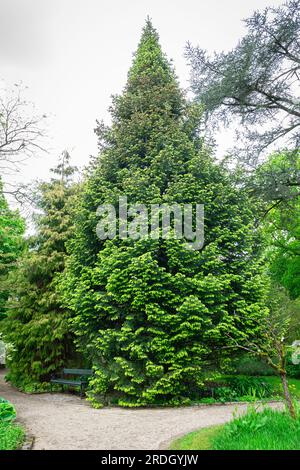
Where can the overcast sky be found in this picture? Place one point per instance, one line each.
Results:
(73, 54)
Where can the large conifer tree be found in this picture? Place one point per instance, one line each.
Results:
(36, 328)
(148, 313)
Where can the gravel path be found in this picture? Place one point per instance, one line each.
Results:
(62, 421)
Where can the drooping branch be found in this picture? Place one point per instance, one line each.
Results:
(257, 82)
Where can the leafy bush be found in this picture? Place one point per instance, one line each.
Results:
(208, 400)
(27, 384)
(253, 386)
(237, 388)
(266, 430)
(11, 436)
(7, 411)
(224, 394)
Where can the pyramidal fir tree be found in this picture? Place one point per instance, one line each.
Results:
(36, 328)
(149, 313)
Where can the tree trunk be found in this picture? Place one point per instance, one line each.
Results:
(287, 395)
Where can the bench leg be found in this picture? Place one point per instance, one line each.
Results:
(81, 391)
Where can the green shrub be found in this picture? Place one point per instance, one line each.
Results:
(253, 386)
(7, 411)
(27, 384)
(11, 436)
(266, 430)
(237, 388)
(224, 394)
(208, 400)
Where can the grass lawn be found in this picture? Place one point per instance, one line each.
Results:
(197, 440)
(265, 430)
(294, 384)
(11, 436)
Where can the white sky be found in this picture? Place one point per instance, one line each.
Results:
(73, 54)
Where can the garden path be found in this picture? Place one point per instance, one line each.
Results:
(63, 421)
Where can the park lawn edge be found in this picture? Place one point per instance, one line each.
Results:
(199, 439)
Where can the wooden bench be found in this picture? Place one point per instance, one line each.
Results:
(79, 379)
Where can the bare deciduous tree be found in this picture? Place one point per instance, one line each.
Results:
(21, 136)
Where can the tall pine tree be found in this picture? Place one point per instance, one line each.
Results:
(36, 329)
(149, 314)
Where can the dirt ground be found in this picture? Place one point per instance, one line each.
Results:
(64, 421)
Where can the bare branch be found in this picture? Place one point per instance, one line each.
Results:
(21, 131)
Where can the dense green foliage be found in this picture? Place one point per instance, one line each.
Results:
(7, 411)
(238, 388)
(11, 435)
(276, 181)
(285, 248)
(11, 246)
(243, 385)
(149, 314)
(248, 365)
(275, 383)
(196, 440)
(36, 328)
(230, 388)
(255, 85)
(267, 430)
(279, 177)
(288, 309)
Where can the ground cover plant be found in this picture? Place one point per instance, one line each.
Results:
(231, 388)
(265, 429)
(11, 434)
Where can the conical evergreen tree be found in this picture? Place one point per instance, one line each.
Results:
(149, 313)
(11, 245)
(36, 328)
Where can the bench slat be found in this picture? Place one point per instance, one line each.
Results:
(65, 381)
(78, 371)
(81, 381)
